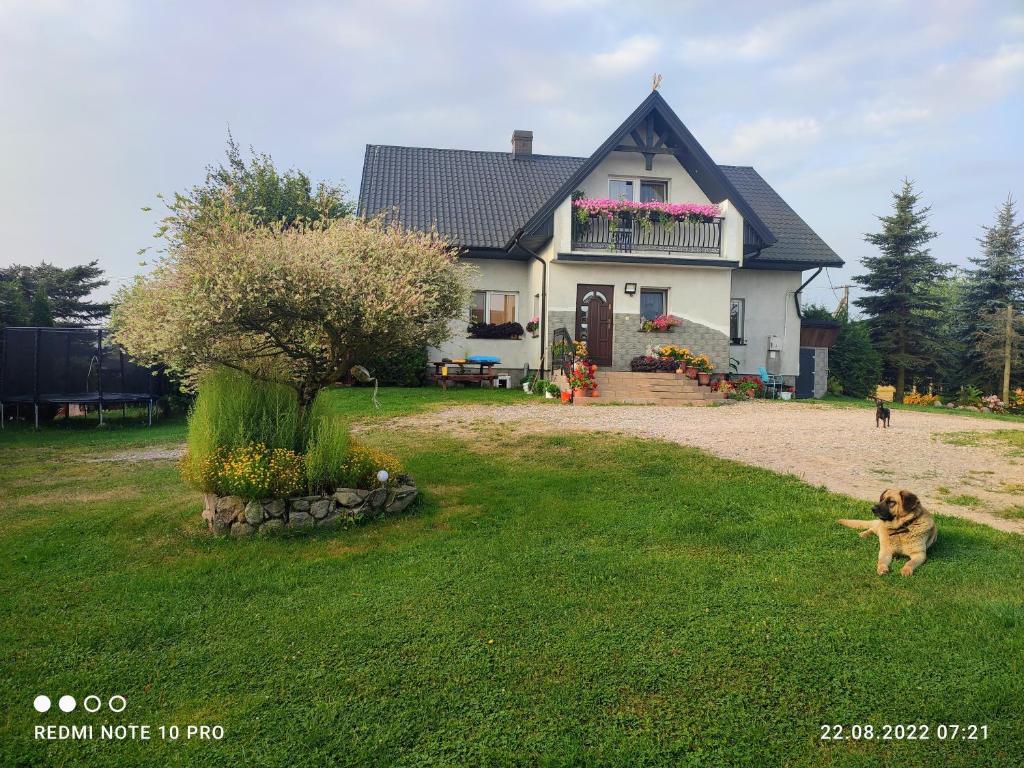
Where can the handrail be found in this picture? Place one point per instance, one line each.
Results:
(625, 233)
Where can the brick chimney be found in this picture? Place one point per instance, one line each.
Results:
(522, 145)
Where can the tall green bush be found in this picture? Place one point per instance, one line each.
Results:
(403, 367)
(327, 446)
(232, 410)
(854, 361)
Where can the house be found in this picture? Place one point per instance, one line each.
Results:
(647, 225)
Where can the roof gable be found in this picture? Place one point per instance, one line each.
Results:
(654, 127)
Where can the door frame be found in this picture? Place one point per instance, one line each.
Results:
(607, 292)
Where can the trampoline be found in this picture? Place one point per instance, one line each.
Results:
(72, 366)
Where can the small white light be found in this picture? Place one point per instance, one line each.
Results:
(383, 476)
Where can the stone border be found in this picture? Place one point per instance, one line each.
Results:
(233, 515)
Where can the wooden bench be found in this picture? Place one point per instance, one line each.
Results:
(446, 372)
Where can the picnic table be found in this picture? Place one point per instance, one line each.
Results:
(446, 371)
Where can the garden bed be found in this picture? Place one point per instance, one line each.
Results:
(346, 506)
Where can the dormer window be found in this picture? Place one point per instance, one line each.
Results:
(638, 190)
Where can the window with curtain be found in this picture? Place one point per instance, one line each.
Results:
(653, 302)
(493, 307)
(653, 191)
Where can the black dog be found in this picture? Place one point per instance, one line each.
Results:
(882, 414)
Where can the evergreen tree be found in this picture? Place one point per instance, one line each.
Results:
(40, 312)
(997, 280)
(900, 301)
(13, 307)
(67, 289)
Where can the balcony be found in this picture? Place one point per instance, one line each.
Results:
(625, 234)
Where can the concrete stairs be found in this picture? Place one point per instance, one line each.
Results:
(649, 389)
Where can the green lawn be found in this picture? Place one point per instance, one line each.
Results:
(556, 600)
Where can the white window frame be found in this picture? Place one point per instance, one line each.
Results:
(653, 289)
(487, 303)
(741, 339)
(637, 180)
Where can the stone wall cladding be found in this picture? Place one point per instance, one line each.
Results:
(628, 341)
(232, 515)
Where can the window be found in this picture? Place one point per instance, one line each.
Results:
(653, 303)
(493, 307)
(620, 189)
(650, 190)
(737, 313)
(653, 191)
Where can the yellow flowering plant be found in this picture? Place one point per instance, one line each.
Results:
(360, 468)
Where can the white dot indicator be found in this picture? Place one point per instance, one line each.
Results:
(66, 703)
(42, 703)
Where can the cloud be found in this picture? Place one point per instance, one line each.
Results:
(767, 132)
(882, 118)
(631, 54)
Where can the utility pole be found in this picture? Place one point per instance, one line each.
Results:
(1007, 352)
(844, 303)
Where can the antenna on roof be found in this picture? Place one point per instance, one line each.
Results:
(655, 82)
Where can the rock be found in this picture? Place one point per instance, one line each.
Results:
(209, 506)
(225, 512)
(349, 497)
(321, 508)
(400, 498)
(298, 519)
(986, 409)
(272, 525)
(337, 516)
(377, 499)
(273, 508)
(299, 505)
(254, 513)
(242, 529)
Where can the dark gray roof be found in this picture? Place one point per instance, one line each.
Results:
(796, 241)
(480, 199)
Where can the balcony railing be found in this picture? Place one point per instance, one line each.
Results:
(625, 234)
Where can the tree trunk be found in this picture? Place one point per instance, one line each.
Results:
(1007, 353)
(901, 371)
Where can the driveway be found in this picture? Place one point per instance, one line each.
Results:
(839, 448)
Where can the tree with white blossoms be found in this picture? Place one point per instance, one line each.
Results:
(298, 305)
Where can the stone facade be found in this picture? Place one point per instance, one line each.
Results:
(238, 517)
(628, 341)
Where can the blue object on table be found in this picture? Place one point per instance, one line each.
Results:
(483, 359)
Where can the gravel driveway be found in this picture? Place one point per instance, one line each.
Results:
(839, 448)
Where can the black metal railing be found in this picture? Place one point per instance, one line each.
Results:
(563, 351)
(625, 234)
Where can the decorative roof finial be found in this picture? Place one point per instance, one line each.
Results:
(655, 82)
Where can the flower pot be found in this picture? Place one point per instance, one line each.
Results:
(786, 395)
(527, 388)
(703, 378)
(549, 395)
(680, 371)
(583, 392)
(691, 372)
(566, 396)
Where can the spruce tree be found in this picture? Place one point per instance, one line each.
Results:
(14, 309)
(900, 303)
(40, 313)
(997, 280)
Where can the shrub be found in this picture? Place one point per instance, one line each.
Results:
(401, 368)
(258, 472)
(327, 447)
(359, 470)
(854, 361)
(233, 410)
(916, 398)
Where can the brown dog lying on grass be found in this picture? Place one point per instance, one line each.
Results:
(903, 527)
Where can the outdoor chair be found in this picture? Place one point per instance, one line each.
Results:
(771, 382)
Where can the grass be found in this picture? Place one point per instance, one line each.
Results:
(1009, 441)
(843, 401)
(556, 599)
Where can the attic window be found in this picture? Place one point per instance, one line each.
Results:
(651, 190)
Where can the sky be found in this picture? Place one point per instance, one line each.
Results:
(108, 103)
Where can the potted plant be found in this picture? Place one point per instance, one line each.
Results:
(552, 391)
(528, 383)
(660, 324)
(704, 368)
(566, 396)
(540, 387)
(581, 378)
(533, 326)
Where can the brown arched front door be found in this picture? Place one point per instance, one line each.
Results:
(594, 320)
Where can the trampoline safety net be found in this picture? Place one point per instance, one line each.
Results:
(72, 365)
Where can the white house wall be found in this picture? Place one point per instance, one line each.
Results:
(770, 311)
(520, 277)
